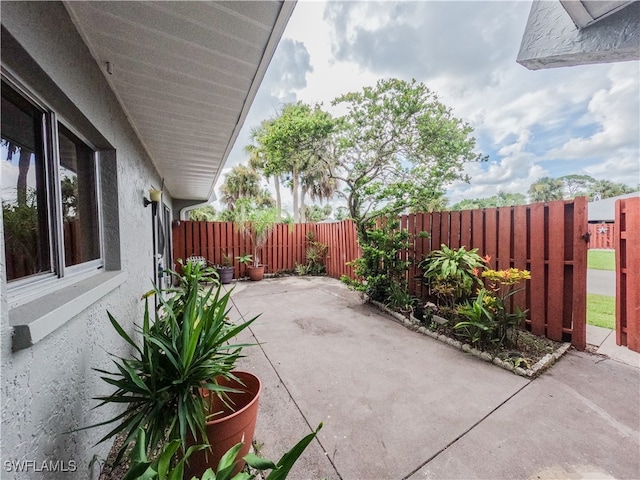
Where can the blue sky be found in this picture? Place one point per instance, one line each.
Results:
(552, 122)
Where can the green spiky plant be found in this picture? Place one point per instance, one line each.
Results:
(452, 273)
(187, 347)
(167, 467)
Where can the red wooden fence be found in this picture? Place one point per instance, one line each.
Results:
(603, 235)
(285, 246)
(628, 273)
(546, 239)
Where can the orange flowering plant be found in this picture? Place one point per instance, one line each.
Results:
(489, 318)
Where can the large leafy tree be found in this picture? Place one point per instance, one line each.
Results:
(397, 146)
(502, 199)
(576, 185)
(546, 189)
(293, 143)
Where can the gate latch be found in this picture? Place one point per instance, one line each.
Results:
(586, 236)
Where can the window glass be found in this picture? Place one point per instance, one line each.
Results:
(77, 172)
(23, 188)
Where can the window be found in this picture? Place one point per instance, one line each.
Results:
(49, 193)
(79, 204)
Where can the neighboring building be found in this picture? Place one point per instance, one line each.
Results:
(101, 102)
(604, 211)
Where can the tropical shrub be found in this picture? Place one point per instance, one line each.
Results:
(381, 272)
(489, 318)
(315, 255)
(453, 274)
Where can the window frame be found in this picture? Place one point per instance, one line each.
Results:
(31, 287)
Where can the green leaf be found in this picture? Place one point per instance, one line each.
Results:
(229, 458)
(121, 332)
(259, 463)
(289, 459)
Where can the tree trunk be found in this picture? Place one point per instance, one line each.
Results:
(303, 213)
(294, 191)
(276, 182)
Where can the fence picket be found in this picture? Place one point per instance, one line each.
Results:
(503, 259)
(555, 279)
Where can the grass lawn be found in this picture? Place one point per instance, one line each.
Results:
(601, 311)
(601, 259)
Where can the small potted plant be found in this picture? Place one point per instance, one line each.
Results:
(245, 259)
(225, 270)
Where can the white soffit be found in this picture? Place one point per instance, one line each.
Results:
(186, 73)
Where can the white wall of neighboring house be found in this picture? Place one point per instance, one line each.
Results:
(47, 388)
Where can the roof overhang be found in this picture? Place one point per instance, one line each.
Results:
(586, 12)
(185, 73)
(568, 33)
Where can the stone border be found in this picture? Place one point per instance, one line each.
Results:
(414, 324)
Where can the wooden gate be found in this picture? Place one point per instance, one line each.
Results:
(628, 273)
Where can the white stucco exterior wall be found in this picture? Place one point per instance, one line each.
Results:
(551, 39)
(47, 389)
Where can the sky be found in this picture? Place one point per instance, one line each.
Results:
(531, 124)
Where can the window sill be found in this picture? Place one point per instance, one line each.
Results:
(34, 320)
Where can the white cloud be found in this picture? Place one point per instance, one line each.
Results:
(512, 174)
(532, 123)
(615, 110)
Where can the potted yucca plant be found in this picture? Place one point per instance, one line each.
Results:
(187, 356)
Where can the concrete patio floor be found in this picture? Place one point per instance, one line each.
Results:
(396, 404)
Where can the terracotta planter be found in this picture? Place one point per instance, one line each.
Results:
(229, 427)
(256, 273)
(225, 274)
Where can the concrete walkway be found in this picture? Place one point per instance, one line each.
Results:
(396, 404)
(604, 342)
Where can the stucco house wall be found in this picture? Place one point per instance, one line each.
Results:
(47, 388)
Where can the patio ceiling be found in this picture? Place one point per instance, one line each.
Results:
(186, 73)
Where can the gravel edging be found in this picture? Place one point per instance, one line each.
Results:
(413, 324)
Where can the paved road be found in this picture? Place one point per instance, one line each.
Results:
(601, 282)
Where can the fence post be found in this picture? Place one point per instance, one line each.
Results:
(579, 272)
(628, 273)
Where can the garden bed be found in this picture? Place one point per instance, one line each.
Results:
(534, 354)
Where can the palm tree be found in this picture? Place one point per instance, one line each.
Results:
(317, 182)
(606, 189)
(259, 161)
(546, 189)
(288, 143)
(240, 182)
